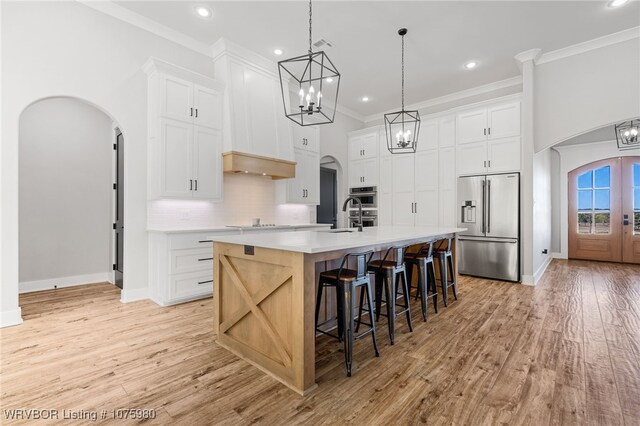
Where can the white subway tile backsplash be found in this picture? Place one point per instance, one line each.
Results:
(245, 197)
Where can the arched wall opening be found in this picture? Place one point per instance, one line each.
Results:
(66, 201)
(330, 162)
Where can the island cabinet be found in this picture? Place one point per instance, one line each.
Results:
(265, 291)
(184, 132)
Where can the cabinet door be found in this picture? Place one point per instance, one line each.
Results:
(369, 168)
(471, 158)
(355, 148)
(207, 104)
(383, 150)
(428, 138)
(261, 120)
(385, 191)
(207, 163)
(403, 196)
(503, 155)
(311, 178)
(447, 187)
(426, 188)
(295, 193)
(306, 138)
(447, 131)
(176, 158)
(176, 99)
(504, 121)
(471, 126)
(370, 145)
(355, 174)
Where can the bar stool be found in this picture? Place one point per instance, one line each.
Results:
(346, 281)
(422, 259)
(387, 272)
(445, 265)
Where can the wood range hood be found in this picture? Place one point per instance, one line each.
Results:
(242, 162)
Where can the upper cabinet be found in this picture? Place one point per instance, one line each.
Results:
(488, 139)
(363, 157)
(488, 123)
(254, 120)
(185, 133)
(305, 187)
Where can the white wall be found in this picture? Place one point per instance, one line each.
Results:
(542, 223)
(555, 201)
(586, 91)
(92, 57)
(572, 157)
(65, 161)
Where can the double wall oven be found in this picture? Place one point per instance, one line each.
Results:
(368, 196)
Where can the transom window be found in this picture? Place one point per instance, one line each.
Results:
(594, 201)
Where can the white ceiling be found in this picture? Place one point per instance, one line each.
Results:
(442, 37)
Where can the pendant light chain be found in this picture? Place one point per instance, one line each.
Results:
(310, 39)
(403, 73)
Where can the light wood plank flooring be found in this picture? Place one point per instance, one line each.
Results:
(564, 352)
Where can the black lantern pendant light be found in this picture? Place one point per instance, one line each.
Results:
(627, 134)
(313, 98)
(402, 127)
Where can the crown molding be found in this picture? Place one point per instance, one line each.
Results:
(137, 20)
(456, 96)
(588, 45)
(223, 46)
(528, 55)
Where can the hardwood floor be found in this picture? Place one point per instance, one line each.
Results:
(564, 352)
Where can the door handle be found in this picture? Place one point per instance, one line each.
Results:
(190, 184)
(416, 207)
(485, 131)
(484, 201)
(191, 112)
(205, 282)
(488, 130)
(196, 184)
(488, 206)
(196, 112)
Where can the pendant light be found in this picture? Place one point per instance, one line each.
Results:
(627, 134)
(314, 83)
(402, 127)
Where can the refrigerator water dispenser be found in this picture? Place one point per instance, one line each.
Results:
(469, 212)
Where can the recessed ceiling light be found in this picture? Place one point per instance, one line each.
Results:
(329, 80)
(278, 52)
(365, 99)
(471, 65)
(617, 3)
(203, 12)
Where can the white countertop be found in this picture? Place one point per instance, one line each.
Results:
(323, 241)
(235, 228)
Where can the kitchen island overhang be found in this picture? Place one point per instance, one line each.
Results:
(265, 290)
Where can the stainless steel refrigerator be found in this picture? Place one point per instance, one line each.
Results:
(489, 207)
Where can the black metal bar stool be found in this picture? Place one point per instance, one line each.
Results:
(422, 260)
(387, 272)
(346, 282)
(447, 272)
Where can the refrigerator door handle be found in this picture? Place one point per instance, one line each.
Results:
(483, 205)
(489, 240)
(488, 206)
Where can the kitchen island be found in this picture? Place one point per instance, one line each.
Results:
(265, 290)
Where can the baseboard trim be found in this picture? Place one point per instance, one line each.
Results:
(528, 280)
(541, 270)
(128, 296)
(557, 255)
(11, 318)
(51, 283)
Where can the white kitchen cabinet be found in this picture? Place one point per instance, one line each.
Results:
(447, 184)
(415, 188)
(305, 187)
(363, 158)
(495, 122)
(428, 138)
(447, 131)
(494, 156)
(364, 146)
(185, 133)
(191, 161)
(385, 191)
(363, 172)
(306, 138)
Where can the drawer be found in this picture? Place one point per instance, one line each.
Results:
(191, 260)
(189, 241)
(191, 285)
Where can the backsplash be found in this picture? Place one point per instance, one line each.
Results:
(245, 197)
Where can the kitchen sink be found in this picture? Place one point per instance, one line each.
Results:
(338, 231)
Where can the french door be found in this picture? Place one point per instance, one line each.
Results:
(604, 211)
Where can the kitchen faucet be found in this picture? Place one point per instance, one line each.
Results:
(357, 200)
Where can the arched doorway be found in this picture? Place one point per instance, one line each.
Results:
(70, 194)
(331, 192)
(604, 210)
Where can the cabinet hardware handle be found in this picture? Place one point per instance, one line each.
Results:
(488, 129)
(205, 282)
(489, 163)
(416, 207)
(196, 112)
(363, 151)
(191, 113)
(205, 258)
(196, 184)
(485, 163)
(205, 241)
(485, 131)
(190, 184)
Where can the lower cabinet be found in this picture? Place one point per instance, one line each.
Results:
(180, 267)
